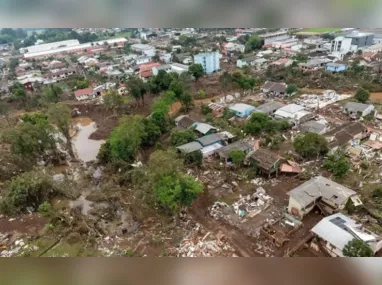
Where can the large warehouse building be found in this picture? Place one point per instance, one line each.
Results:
(59, 48)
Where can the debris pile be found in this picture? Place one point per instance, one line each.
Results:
(250, 205)
(205, 246)
(312, 101)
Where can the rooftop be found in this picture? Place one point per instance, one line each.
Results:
(339, 229)
(242, 108)
(320, 186)
(209, 139)
(190, 147)
(356, 107)
(238, 145)
(85, 91)
(203, 128)
(269, 107)
(265, 159)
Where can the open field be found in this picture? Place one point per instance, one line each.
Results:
(376, 97)
(321, 30)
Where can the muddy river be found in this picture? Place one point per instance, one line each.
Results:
(85, 148)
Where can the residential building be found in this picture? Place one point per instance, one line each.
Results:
(283, 62)
(179, 68)
(234, 47)
(176, 47)
(209, 61)
(251, 61)
(265, 161)
(189, 147)
(314, 64)
(313, 127)
(312, 40)
(225, 151)
(336, 67)
(329, 196)
(142, 59)
(84, 94)
(29, 82)
(284, 43)
(165, 67)
(355, 109)
(341, 46)
(293, 113)
(166, 57)
(60, 74)
(242, 110)
(344, 134)
(336, 231)
(274, 89)
(203, 128)
(210, 139)
(269, 108)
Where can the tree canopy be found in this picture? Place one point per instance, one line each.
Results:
(337, 163)
(112, 100)
(254, 42)
(179, 137)
(357, 248)
(237, 156)
(362, 95)
(310, 145)
(196, 70)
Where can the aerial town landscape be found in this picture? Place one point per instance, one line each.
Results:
(191, 142)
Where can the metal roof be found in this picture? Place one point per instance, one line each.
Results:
(319, 186)
(312, 126)
(339, 229)
(190, 147)
(209, 139)
(356, 107)
(203, 128)
(242, 108)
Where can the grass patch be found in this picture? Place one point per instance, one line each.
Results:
(321, 30)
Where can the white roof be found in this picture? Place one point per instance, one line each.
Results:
(339, 229)
(49, 46)
(301, 114)
(203, 128)
(142, 46)
(292, 108)
(72, 48)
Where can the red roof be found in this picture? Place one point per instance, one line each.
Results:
(148, 66)
(86, 91)
(146, 74)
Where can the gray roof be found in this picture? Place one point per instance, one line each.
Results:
(312, 126)
(269, 107)
(355, 107)
(209, 139)
(203, 128)
(190, 147)
(225, 151)
(319, 186)
(163, 67)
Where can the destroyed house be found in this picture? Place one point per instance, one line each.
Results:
(184, 121)
(265, 161)
(337, 230)
(329, 196)
(225, 152)
(274, 88)
(313, 127)
(344, 134)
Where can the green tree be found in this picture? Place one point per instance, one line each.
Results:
(226, 82)
(173, 192)
(127, 48)
(177, 87)
(357, 248)
(60, 115)
(187, 101)
(206, 109)
(362, 95)
(292, 88)
(112, 100)
(300, 57)
(186, 79)
(310, 145)
(156, 57)
(162, 163)
(29, 189)
(337, 163)
(152, 132)
(196, 70)
(126, 138)
(137, 88)
(180, 137)
(52, 93)
(254, 42)
(81, 84)
(237, 156)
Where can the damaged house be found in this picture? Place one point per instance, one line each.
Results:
(356, 110)
(184, 121)
(329, 196)
(274, 89)
(269, 108)
(345, 134)
(337, 230)
(265, 161)
(293, 113)
(225, 152)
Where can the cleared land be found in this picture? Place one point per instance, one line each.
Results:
(321, 30)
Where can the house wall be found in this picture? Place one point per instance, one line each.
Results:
(143, 60)
(295, 208)
(336, 68)
(332, 250)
